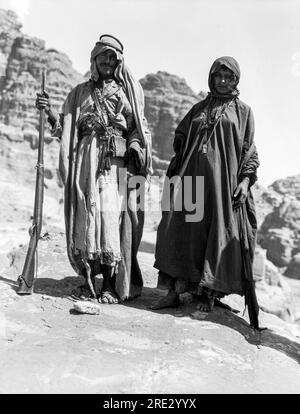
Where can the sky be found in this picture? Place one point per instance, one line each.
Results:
(184, 37)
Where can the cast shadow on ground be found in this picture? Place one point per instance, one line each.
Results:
(268, 338)
(265, 338)
(51, 287)
(12, 283)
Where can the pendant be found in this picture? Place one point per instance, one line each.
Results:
(204, 149)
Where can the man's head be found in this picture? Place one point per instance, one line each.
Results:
(105, 57)
(106, 63)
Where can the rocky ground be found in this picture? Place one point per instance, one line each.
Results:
(47, 347)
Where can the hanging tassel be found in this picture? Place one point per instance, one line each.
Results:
(250, 294)
(107, 163)
(252, 304)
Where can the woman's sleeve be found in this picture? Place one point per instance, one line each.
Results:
(249, 169)
(134, 141)
(181, 131)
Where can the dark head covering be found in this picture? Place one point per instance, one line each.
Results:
(231, 64)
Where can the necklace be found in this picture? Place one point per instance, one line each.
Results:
(212, 122)
(104, 93)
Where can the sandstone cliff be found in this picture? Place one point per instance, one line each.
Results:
(10, 29)
(167, 100)
(22, 59)
(279, 233)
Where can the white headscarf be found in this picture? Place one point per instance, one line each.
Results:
(134, 94)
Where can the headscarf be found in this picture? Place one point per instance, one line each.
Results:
(98, 49)
(132, 88)
(231, 64)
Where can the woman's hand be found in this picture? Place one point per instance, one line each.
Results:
(240, 193)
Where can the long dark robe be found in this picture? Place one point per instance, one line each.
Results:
(209, 253)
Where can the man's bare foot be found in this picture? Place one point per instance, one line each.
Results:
(108, 296)
(82, 292)
(205, 304)
(169, 301)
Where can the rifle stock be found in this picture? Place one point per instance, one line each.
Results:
(26, 279)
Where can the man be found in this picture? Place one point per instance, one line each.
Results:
(103, 131)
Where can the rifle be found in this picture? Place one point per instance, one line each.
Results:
(26, 279)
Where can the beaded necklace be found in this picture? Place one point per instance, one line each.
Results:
(212, 121)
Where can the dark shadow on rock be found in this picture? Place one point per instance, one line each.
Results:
(150, 296)
(268, 338)
(74, 312)
(265, 338)
(51, 287)
(57, 288)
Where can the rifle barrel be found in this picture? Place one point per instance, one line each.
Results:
(26, 279)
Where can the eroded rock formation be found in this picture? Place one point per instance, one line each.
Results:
(167, 98)
(279, 234)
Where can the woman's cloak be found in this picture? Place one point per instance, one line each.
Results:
(209, 252)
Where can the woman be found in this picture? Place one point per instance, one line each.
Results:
(210, 258)
(103, 130)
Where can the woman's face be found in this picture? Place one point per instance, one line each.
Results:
(224, 81)
(106, 63)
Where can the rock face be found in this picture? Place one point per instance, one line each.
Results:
(26, 60)
(293, 269)
(280, 229)
(289, 186)
(10, 29)
(280, 235)
(273, 293)
(266, 199)
(168, 98)
(22, 59)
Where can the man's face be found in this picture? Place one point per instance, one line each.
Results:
(106, 63)
(224, 81)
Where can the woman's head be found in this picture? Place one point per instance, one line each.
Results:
(224, 76)
(105, 57)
